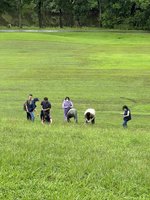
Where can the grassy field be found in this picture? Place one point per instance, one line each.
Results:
(101, 70)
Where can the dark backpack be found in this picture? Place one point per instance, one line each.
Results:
(24, 106)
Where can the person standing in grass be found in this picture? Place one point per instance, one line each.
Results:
(30, 107)
(126, 115)
(66, 105)
(89, 116)
(45, 112)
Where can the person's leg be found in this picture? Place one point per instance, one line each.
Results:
(65, 117)
(32, 116)
(86, 120)
(93, 121)
(125, 123)
(68, 119)
(28, 116)
(42, 116)
(51, 120)
(65, 114)
(47, 119)
(69, 116)
(76, 117)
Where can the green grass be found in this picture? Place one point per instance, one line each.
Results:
(67, 161)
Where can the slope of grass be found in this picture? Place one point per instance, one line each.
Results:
(67, 161)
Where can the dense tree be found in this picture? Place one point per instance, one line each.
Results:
(5, 5)
(39, 11)
(127, 14)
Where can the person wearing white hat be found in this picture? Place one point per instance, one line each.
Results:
(90, 116)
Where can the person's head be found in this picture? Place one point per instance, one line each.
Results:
(45, 99)
(88, 115)
(125, 107)
(30, 97)
(67, 99)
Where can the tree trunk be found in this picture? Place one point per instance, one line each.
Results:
(100, 12)
(71, 19)
(60, 18)
(78, 21)
(20, 13)
(40, 14)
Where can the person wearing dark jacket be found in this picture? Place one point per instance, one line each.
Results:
(45, 112)
(30, 107)
(126, 115)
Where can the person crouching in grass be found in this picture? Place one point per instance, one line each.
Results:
(72, 113)
(45, 112)
(89, 116)
(126, 116)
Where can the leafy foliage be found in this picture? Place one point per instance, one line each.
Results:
(110, 14)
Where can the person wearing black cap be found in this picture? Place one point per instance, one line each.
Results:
(30, 107)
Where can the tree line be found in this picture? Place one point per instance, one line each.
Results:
(122, 14)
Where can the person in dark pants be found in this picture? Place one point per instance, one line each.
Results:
(30, 107)
(89, 116)
(126, 115)
(72, 113)
(45, 112)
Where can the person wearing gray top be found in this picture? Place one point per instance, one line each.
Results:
(72, 113)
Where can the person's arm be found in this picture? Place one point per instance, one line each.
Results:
(91, 119)
(128, 113)
(71, 104)
(63, 104)
(35, 110)
(27, 108)
(46, 109)
(36, 99)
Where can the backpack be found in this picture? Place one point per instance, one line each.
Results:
(24, 106)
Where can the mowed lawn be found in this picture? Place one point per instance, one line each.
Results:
(102, 70)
